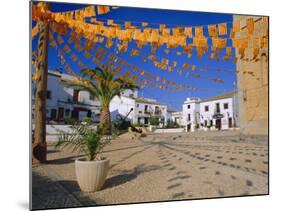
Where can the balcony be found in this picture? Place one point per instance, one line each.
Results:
(157, 113)
(217, 114)
(147, 112)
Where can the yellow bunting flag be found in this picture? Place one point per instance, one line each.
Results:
(250, 25)
(109, 43)
(229, 51)
(166, 32)
(188, 32)
(222, 29)
(232, 34)
(110, 22)
(162, 27)
(193, 67)
(66, 48)
(265, 19)
(144, 24)
(153, 49)
(256, 52)
(212, 29)
(264, 42)
(199, 41)
(256, 42)
(236, 26)
(241, 52)
(103, 9)
(60, 40)
(127, 24)
(199, 31)
(87, 54)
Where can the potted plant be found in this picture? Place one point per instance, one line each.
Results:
(92, 170)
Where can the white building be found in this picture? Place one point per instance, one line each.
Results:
(177, 117)
(63, 103)
(216, 113)
(138, 110)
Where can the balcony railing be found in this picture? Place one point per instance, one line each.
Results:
(157, 113)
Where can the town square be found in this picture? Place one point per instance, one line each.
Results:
(134, 105)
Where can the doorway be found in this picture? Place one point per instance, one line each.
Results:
(230, 122)
(188, 128)
(218, 124)
(75, 114)
(53, 114)
(61, 114)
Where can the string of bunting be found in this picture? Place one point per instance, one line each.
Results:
(193, 67)
(156, 37)
(100, 55)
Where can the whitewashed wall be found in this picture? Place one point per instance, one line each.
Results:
(193, 111)
(208, 115)
(122, 105)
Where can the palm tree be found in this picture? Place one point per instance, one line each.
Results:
(103, 84)
(39, 146)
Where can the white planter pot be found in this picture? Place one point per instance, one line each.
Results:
(91, 175)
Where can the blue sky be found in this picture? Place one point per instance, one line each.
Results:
(171, 18)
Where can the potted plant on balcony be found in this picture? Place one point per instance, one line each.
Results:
(91, 171)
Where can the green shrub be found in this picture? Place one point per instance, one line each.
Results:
(171, 124)
(138, 125)
(154, 121)
(87, 120)
(70, 121)
(84, 139)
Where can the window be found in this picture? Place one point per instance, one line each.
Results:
(217, 107)
(206, 108)
(53, 114)
(89, 113)
(188, 106)
(67, 112)
(49, 94)
(140, 112)
(205, 123)
(211, 123)
(188, 117)
(75, 95)
(92, 97)
(145, 108)
(225, 105)
(138, 105)
(61, 113)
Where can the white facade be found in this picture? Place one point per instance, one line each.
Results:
(216, 113)
(138, 109)
(191, 113)
(63, 103)
(177, 117)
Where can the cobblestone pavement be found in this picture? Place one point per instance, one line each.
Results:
(158, 168)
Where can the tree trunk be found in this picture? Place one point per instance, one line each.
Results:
(105, 120)
(39, 146)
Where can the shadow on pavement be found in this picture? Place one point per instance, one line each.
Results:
(126, 176)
